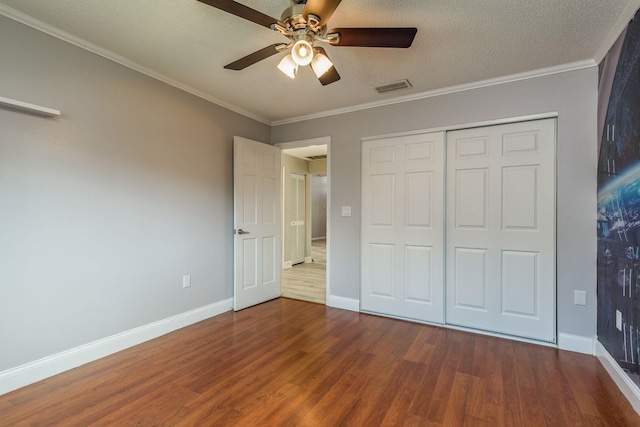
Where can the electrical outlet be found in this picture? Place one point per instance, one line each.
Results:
(618, 320)
(186, 281)
(580, 297)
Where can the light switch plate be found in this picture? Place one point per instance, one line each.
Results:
(346, 211)
(580, 298)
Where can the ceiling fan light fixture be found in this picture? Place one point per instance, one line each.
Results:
(321, 64)
(302, 52)
(288, 66)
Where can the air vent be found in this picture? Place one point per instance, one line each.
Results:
(320, 157)
(402, 84)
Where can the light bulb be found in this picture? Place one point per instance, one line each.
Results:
(288, 66)
(302, 52)
(321, 64)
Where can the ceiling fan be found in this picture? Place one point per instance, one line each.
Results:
(304, 23)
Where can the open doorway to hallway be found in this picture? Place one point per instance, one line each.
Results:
(305, 189)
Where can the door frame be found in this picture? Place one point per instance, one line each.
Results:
(323, 140)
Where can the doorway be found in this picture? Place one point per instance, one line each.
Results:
(305, 201)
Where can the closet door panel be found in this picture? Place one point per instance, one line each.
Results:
(402, 265)
(500, 232)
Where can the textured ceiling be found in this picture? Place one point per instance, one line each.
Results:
(458, 42)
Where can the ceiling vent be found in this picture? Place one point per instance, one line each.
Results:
(402, 84)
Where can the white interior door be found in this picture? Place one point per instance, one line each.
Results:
(403, 227)
(501, 229)
(257, 241)
(298, 212)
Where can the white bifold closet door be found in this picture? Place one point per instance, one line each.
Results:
(500, 256)
(403, 227)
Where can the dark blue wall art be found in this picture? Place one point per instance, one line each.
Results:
(619, 208)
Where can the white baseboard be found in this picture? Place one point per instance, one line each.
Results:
(286, 264)
(307, 259)
(343, 303)
(49, 366)
(622, 380)
(577, 343)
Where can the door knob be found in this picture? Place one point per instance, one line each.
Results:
(241, 231)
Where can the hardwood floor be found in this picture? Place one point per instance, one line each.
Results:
(293, 363)
(308, 281)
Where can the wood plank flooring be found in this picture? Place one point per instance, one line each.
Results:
(308, 281)
(294, 363)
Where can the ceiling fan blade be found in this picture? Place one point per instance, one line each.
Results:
(330, 76)
(374, 37)
(251, 59)
(322, 8)
(242, 11)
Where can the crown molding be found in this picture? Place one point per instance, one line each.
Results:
(444, 91)
(88, 46)
(623, 20)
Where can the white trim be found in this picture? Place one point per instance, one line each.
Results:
(577, 343)
(49, 366)
(460, 126)
(623, 20)
(88, 46)
(308, 259)
(444, 91)
(318, 238)
(343, 303)
(25, 106)
(622, 380)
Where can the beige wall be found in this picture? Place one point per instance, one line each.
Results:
(318, 167)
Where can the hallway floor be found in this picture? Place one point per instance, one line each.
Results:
(308, 281)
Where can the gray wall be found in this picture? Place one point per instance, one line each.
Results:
(573, 95)
(103, 209)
